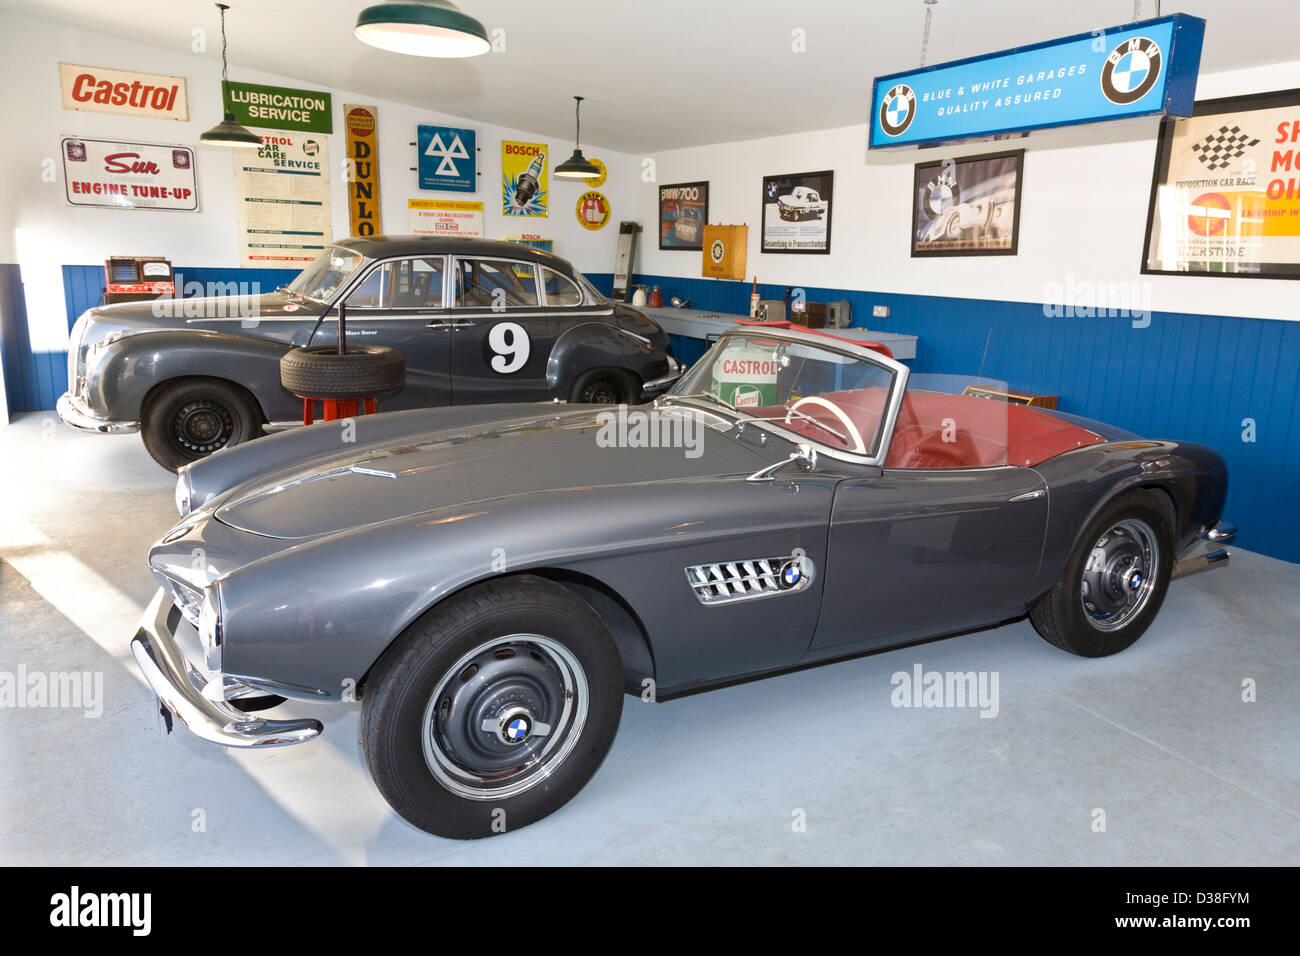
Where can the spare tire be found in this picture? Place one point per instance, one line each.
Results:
(364, 371)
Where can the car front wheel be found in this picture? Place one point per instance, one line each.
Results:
(1115, 582)
(493, 710)
(605, 387)
(189, 419)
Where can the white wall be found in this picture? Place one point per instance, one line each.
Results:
(1083, 215)
(40, 231)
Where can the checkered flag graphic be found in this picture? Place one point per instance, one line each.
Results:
(1220, 148)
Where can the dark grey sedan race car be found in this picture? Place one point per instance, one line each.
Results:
(489, 581)
(478, 321)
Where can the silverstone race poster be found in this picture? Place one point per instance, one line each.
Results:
(797, 212)
(968, 206)
(1225, 199)
(282, 200)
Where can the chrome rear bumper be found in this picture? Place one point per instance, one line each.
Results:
(78, 416)
(1194, 561)
(655, 386)
(179, 688)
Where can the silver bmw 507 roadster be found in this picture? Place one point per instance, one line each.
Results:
(489, 580)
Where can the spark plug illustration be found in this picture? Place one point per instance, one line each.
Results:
(529, 180)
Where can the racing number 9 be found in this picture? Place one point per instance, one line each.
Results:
(510, 347)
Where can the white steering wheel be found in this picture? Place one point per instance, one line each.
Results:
(859, 447)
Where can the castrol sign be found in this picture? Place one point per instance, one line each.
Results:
(745, 376)
(123, 93)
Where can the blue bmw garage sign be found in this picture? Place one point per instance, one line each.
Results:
(1135, 70)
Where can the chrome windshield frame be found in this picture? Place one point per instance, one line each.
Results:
(893, 402)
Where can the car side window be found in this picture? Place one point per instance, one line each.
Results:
(495, 284)
(401, 284)
(560, 290)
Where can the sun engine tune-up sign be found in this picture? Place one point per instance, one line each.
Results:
(113, 175)
(524, 177)
(122, 92)
(362, 123)
(448, 158)
(1134, 70)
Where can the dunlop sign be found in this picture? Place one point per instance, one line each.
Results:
(361, 124)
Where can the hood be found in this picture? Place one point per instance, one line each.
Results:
(182, 313)
(467, 469)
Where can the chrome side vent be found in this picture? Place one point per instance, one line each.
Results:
(729, 581)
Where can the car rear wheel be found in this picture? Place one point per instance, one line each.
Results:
(1114, 584)
(493, 710)
(189, 419)
(605, 387)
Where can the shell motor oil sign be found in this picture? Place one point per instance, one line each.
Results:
(362, 124)
(118, 175)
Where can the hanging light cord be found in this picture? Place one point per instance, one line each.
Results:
(225, 72)
(925, 31)
(577, 116)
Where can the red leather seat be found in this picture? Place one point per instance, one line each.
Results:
(938, 430)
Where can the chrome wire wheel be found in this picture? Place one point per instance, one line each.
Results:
(505, 717)
(1120, 574)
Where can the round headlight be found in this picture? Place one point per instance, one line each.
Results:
(210, 629)
(183, 492)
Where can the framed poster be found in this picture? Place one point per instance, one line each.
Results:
(524, 177)
(1225, 194)
(797, 213)
(282, 200)
(117, 175)
(448, 158)
(968, 206)
(683, 214)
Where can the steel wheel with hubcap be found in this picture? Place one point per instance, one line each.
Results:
(493, 709)
(505, 716)
(603, 387)
(1113, 585)
(1119, 575)
(188, 419)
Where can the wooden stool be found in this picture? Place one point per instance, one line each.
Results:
(333, 409)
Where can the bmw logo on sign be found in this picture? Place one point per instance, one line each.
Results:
(897, 110)
(1131, 70)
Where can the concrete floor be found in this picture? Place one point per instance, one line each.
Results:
(1158, 737)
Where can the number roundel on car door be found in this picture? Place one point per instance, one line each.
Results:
(506, 347)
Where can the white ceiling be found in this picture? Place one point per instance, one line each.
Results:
(659, 74)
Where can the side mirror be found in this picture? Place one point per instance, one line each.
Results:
(804, 455)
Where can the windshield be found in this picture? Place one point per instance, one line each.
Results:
(324, 277)
(814, 392)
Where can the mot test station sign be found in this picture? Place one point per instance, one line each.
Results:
(1139, 69)
(120, 175)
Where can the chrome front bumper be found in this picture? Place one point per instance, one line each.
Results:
(657, 385)
(179, 687)
(1197, 559)
(76, 414)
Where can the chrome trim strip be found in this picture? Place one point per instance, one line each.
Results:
(169, 674)
(73, 413)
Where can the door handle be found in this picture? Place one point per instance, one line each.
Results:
(440, 325)
(462, 324)
(1029, 495)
